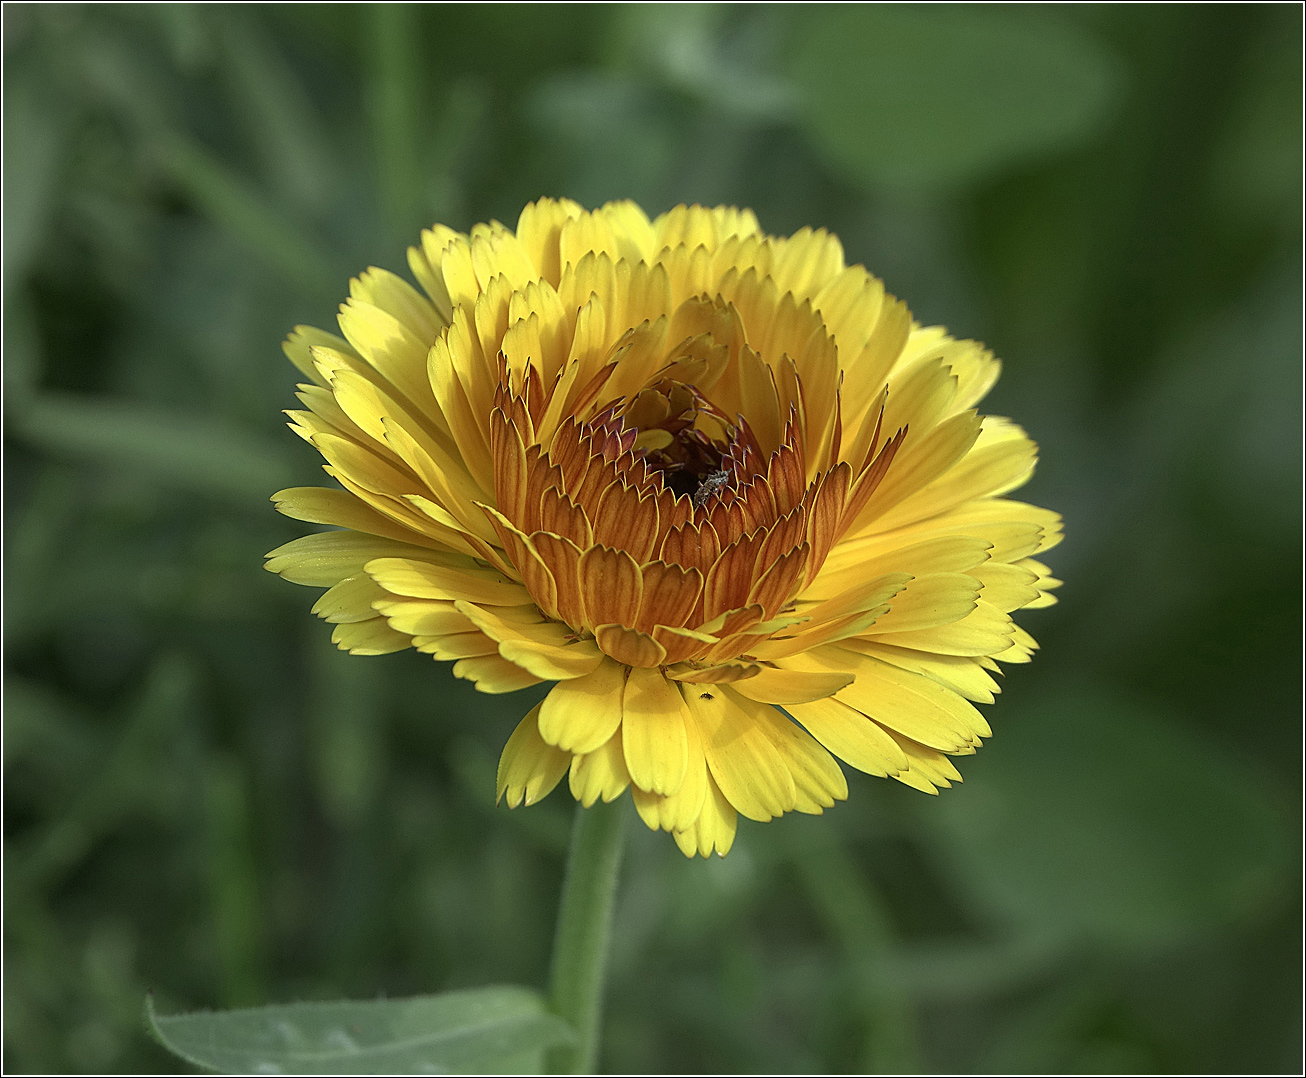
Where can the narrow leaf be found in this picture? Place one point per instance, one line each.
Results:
(206, 457)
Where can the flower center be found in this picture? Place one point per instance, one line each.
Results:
(670, 418)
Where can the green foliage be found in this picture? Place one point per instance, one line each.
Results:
(205, 799)
(912, 98)
(1184, 828)
(478, 1030)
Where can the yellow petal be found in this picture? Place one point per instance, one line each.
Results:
(778, 686)
(908, 703)
(322, 505)
(818, 781)
(579, 715)
(1002, 458)
(742, 759)
(372, 637)
(961, 673)
(851, 736)
(714, 827)
(928, 601)
(927, 768)
(601, 773)
(494, 674)
(422, 617)
(545, 648)
(451, 647)
(329, 557)
(350, 600)
(529, 767)
(427, 580)
(653, 721)
(984, 631)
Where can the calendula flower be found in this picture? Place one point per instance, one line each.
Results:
(717, 486)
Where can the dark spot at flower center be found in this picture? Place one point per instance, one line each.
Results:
(670, 417)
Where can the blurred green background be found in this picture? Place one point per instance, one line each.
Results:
(204, 799)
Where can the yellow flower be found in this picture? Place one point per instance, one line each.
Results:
(693, 474)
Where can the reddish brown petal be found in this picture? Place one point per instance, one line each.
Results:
(670, 595)
(560, 515)
(670, 513)
(541, 477)
(870, 479)
(509, 466)
(836, 433)
(569, 452)
(562, 558)
(729, 581)
(627, 522)
(678, 645)
(778, 583)
(785, 476)
(628, 646)
(610, 586)
(599, 475)
(515, 409)
(825, 511)
(727, 517)
(534, 573)
(692, 546)
(757, 507)
(737, 620)
(787, 533)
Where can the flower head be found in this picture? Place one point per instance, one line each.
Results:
(717, 486)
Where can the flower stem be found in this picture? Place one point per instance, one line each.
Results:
(580, 944)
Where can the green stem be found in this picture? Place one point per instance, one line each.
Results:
(580, 945)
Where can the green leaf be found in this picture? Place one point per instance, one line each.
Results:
(1095, 817)
(34, 134)
(199, 455)
(495, 1029)
(912, 96)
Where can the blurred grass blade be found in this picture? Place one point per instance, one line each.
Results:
(857, 918)
(34, 134)
(22, 344)
(115, 75)
(126, 779)
(34, 546)
(43, 729)
(395, 110)
(281, 120)
(198, 455)
(465, 106)
(348, 716)
(234, 204)
(233, 882)
(496, 1029)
